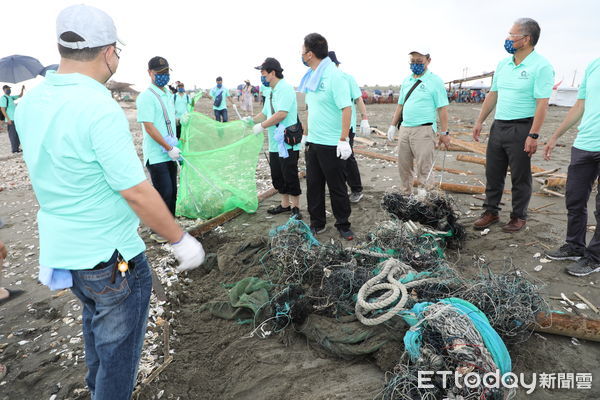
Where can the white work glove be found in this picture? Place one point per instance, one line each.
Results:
(365, 128)
(248, 120)
(189, 252)
(174, 153)
(257, 129)
(303, 142)
(392, 130)
(344, 151)
(185, 118)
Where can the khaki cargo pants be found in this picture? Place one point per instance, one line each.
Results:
(416, 147)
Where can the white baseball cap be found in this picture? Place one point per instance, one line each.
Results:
(94, 25)
(421, 49)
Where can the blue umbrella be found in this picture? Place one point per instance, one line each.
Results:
(15, 69)
(51, 67)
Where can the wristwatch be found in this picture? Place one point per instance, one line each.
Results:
(444, 133)
(534, 135)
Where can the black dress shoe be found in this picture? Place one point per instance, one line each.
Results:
(279, 210)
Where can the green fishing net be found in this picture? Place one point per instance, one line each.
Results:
(219, 167)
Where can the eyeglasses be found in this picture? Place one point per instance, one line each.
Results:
(512, 35)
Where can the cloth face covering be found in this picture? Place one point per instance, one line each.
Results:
(509, 46)
(161, 80)
(417, 69)
(264, 81)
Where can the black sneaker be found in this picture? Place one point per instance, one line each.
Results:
(296, 213)
(279, 210)
(346, 233)
(315, 231)
(564, 252)
(583, 267)
(355, 197)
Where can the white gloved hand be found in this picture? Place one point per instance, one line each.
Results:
(257, 129)
(365, 128)
(344, 151)
(303, 142)
(248, 120)
(185, 118)
(392, 130)
(189, 252)
(174, 153)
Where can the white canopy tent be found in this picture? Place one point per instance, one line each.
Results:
(564, 96)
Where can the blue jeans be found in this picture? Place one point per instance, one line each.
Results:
(221, 115)
(115, 316)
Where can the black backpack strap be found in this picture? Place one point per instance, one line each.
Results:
(165, 114)
(271, 103)
(417, 83)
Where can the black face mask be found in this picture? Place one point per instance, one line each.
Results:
(8, 92)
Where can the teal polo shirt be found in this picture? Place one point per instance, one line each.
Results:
(283, 97)
(149, 109)
(421, 106)
(588, 137)
(80, 155)
(519, 86)
(8, 102)
(355, 93)
(181, 102)
(265, 91)
(214, 93)
(325, 107)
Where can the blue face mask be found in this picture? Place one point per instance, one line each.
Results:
(219, 85)
(264, 81)
(161, 80)
(181, 90)
(8, 92)
(509, 46)
(303, 62)
(417, 69)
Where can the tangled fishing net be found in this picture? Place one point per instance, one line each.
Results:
(433, 209)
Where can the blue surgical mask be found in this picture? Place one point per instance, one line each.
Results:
(181, 90)
(161, 80)
(219, 85)
(509, 46)
(417, 69)
(304, 62)
(8, 92)
(264, 81)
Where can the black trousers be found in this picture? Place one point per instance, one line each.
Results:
(178, 129)
(583, 171)
(164, 180)
(284, 172)
(352, 172)
(13, 136)
(506, 148)
(324, 167)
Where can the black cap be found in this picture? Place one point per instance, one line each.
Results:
(333, 57)
(5, 87)
(158, 63)
(219, 79)
(270, 64)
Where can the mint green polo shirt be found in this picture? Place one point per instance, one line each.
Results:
(80, 155)
(284, 99)
(325, 107)
(519, 86)
(8, 102)
(150, 110)
(214, 92)
(421, 106)
(355, 93)
(265, 91)
(181, 101)
(588, 137)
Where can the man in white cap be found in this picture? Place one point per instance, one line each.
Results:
(90, 185)
(422, 94)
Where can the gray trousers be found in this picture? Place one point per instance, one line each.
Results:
(506, 148)
(583, 171)
(13, 137)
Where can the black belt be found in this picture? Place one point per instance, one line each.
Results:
(427, 124)
(516, 121)
(114, 260)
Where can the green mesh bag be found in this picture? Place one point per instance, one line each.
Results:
(219, 168)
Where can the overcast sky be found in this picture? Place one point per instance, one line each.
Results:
(203, 39)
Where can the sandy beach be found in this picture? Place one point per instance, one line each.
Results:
(40, 332)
